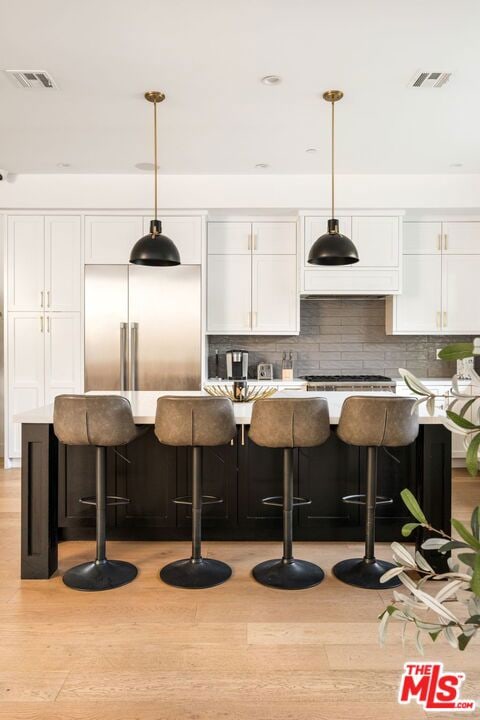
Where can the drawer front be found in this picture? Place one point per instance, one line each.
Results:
(351, 281)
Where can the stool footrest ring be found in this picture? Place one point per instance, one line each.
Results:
(111, 500)
(206, 500)
(277, 501)
(361, 500)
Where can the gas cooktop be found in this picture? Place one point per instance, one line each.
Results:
(347, 378)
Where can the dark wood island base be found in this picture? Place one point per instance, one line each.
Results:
(55, 476)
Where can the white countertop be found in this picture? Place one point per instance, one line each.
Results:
(144, 405)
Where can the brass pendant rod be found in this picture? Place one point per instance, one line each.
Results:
(333, 159)
(155, 155)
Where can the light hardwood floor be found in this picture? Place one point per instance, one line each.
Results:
(239, 651)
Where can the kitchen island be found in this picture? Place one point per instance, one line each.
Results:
(151, 475)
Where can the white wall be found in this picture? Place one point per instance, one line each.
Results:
(129, 192)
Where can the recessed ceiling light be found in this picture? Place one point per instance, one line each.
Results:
(271, 80)
(261, 166)
(63, 165)
(311, 150)
(456, 164)
(146, 166)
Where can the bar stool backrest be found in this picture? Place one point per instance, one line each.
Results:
(290, 422)
(101, 420)
(194, 421)
(378, 421)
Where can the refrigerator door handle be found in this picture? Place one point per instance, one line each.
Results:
(133, 356)
(123, 356)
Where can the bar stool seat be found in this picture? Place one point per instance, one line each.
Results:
(373, 422)
(289, 423)
(101, 421)
(195, 422)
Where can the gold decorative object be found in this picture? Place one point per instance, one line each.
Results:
(251, 394)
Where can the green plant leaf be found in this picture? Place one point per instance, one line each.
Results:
(475, 522)
(408, 528)
(473, 620)
(456, 351)
(465, 534)
(467, 559)
(471, 460)
(466, 406)
(461, 421)
(412, 505)
(463, 641)
(434, 635)
(454, 545)
(475, 585)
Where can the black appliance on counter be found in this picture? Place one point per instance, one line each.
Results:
(367, 383)
(237, 364)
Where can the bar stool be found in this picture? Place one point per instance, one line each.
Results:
(373, 422)
(195, 422)
(102, 421)
(289, 423)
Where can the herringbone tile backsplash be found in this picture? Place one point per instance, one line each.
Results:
(340, 336)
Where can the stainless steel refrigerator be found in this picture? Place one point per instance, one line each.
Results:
(142, 327)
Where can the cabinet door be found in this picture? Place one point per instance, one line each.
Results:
(275, 238)
(63, 259)
(26, 267)
(229, 294)
(461, 237)
(418, 308)
(25, 370)
(230, 238)
(315, 227)
(109, 239)
(186, 233)
(377, 240)
(62, 355)
(460, 294)
(422, 238)
(274, 294)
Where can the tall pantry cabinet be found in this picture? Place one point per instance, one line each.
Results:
(43, 299)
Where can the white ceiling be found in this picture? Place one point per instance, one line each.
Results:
(209, 57)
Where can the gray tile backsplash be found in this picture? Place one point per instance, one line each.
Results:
(340, 336)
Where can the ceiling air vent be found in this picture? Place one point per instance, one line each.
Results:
(35, 79)
(429, 79)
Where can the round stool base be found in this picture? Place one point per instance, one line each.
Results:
(363, 574)
(198, 574)
(290, 575)
(94, 576)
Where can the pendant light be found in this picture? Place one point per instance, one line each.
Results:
(333, 248)
(155, 248)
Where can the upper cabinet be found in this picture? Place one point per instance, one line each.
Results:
(44, 263)
(378, 241)
(441, 268)
(109, 239)
(252, 278)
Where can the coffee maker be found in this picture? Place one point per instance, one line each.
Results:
(237, 364)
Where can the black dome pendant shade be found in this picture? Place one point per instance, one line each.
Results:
(333, 248)
(155, 249)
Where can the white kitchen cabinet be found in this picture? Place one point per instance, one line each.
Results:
(44, 263)
(63, 263)
(274, 238)
(109, 239)
(274, 294)
(461, 237)
(229, 294)
(422, 238)
(377, 240)
(418, 309)
(44, 360)
(460, 302)
(26, 264)
(227, 238)
(186, 233)
(62, 334)
(26, 370)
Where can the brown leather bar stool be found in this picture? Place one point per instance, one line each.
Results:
(289, 423)
(195, 422)
(373, 422)
(102, 421)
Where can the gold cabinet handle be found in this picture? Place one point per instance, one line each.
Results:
(250, 241)
(254, 242)
(445, 323)
(243, 434)
(445, 241)
(48, 323)
(41, 323)
(48, 298)
(439, 243)
(41, 298)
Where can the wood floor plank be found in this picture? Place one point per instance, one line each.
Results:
(39, 686)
